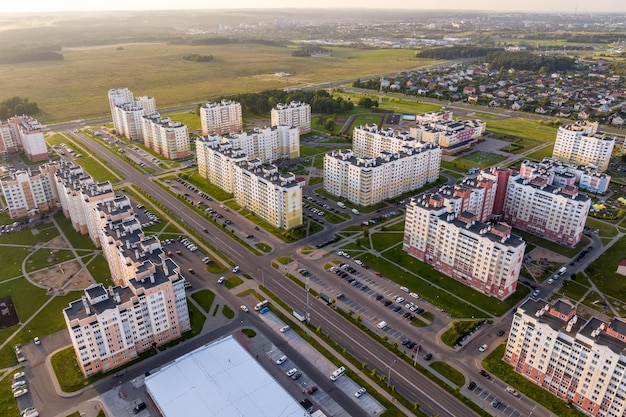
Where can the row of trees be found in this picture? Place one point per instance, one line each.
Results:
(373, 84)
(198, 58)
(320, 101)
(305, 51)
(524, 60)
(17, 57)
(17, 106)
(455, 52)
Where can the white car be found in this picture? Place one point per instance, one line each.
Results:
(244, 308)
(221, 280)
(37, 341)
(400, 300)
(405, 289)
(18, 385)
(482, 348)
(360, 392)
(512, 391)
(292, 371)
(284, 329)
(414, 295)
(550, 281)
(281, 360)
(536, 293)
(20, 392)
(18, 375)
(236, 269)
(358, 262)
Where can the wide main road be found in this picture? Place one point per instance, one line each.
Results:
(408, 381)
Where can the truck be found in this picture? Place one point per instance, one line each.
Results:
(355, 211)
(299, 315)
(325, 297)
(340, 204)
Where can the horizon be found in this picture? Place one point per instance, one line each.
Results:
(506, 6)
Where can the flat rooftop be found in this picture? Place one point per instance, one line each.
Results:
(219, 379)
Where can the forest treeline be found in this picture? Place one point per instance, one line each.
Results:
(17, 106)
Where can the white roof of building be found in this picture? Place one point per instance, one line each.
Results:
(220, 379)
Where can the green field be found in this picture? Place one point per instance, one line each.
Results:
(98, 171)
(158, 70)
(523, 128)
(476, 159)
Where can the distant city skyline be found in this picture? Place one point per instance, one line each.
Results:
(539, 6)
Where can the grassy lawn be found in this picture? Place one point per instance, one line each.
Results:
(44, 258)
(98, 171)
(100, 271)
(284, 260)
(545, 152)
(523, 128)
(26, 297)
(67, 371)
(467, 294)
(12, 258)
(307, 150)
(459, 329)
(227, 312)
(233, 281)
(477, 159)
(8, 404)
(264, 247)
(396, 227)
(316, 180)
(237, 68)
(494, 364)
(42, 233)
(553, 246)
(365, 119)
(604, 229)
(206, 186)
(76, 240)
(449, 372)
(204, 298)
(384, 241)
(573, 290)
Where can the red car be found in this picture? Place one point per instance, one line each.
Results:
(312, 390)
(378, 274)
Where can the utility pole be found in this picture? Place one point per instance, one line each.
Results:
(308, 314)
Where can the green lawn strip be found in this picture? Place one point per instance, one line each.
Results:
(602, 271)
(339, 356)
(524, 128)
(315, 180)
(264, 247)
(12, 258)
(494, 364)
(365, 119)
(46, 258)
(395, 227)
(477, 159)
(489, 304)
(385, 240)
(216, 268)
(227, 312)
(573, 290)
(595, 301)
(318, 162)
(77, 240)
(284, 260)
(189, 118)
(47, 321)
(545, 152)
(354, 228)
(206, 186)
(458, 330)
(232, 205)
(448, 372)
(249, 333)
(233, 281)
(27, 298)
(74, 414)
(307, 150)
(454, 169)
(567, 251)
(97, 170)
(204, 298)
(308, 228)
(8, 404)
(100, 271)
(43, 233)
(604, 229)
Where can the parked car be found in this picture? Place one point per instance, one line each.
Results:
(244, 308)
(281, 360)
(482, 348)
(471, 386)
(291, 372)
(139, 407)
(221, 280)
(360, 392)
(312, 390)
(284, 329)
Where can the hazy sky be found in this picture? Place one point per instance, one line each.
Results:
(566, 6)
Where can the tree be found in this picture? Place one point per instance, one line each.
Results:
(365, 102)
(330, 125)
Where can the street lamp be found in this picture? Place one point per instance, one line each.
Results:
(389, 374)
(242, 325)
(262, 276)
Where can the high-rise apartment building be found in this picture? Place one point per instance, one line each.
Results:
(111, 326)
(31, 192)
(368, 181)
(483, 256)
(581, 143)
(267, 144)
(295, 114)
(579, 360)
(23, 134)
(127, 112)
(274, 197)
(221, 118)
(554, 213)
(170, 139)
